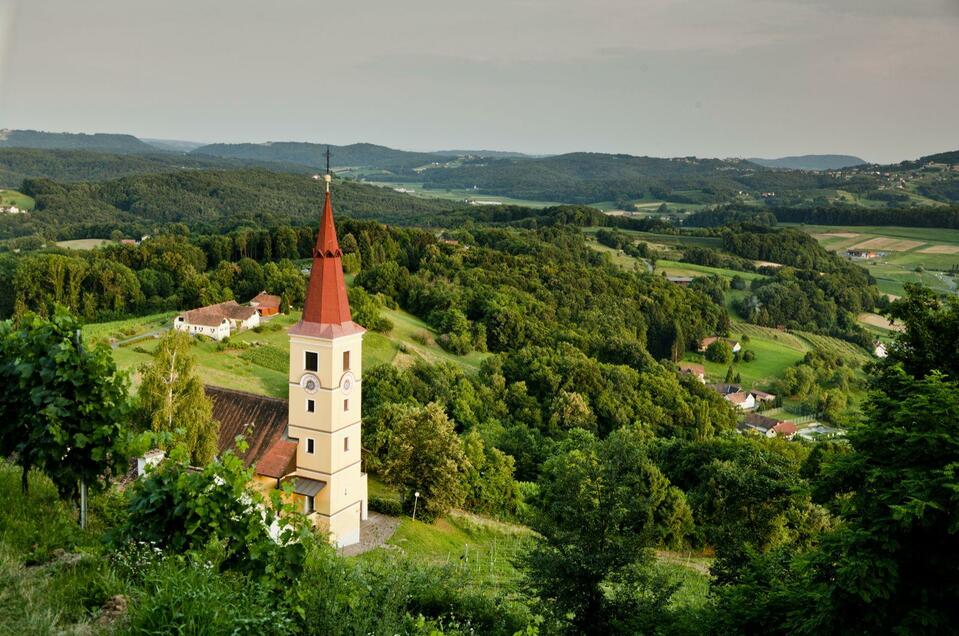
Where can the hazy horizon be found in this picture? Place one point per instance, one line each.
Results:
(750, 78)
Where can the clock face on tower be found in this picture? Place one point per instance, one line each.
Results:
(310, 383)
(347, 382)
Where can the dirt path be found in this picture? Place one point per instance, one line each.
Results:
(374, 532)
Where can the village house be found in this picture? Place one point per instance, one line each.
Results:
(266, 304)
(217, 321)
(312, 440)
(762, 396)
(742, 400)
(879, 350)
(768, 426)
(705, 342)
(682, 281)
(698, 371)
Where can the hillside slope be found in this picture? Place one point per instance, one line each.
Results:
(810, 162)
(314, 155)
(208, 198)
(103, 142)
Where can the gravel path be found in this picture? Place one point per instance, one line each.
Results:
(374, 532)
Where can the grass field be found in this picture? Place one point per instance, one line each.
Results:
(12, 197)
(82, 244)
(263, 368)
(912, 254)
(462, 195)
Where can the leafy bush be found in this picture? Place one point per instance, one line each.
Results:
(385, 505)
(719, 351)
(213, 513)
(748, 356)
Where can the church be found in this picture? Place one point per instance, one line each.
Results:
(313, 439)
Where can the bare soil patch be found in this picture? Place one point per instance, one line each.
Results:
(837, 235)
(879, 321)
(888, 244)
(940, 249)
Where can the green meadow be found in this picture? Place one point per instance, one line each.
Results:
(912, 254)
(12, 197)
(255, 360)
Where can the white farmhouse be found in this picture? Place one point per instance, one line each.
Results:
(217, 321)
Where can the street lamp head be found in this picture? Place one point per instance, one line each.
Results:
(416, 494)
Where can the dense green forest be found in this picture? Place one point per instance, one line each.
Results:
(211, 199)
(836, 538)
(314, 155)
(99, 142)
(17, 164)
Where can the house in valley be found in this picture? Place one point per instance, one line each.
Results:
(705, 342)
(741, 400)
(217, 321)
(698, 371)
(879, 350)
(266, 304)
(768, 426)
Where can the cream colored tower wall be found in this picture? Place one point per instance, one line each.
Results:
(334, 426)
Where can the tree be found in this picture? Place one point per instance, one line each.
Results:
(417, 448)
(601, 506)
(719, 351)
(172, 399)
(889, 566)
(63, 405)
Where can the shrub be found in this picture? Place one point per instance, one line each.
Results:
(748, 356)
(385, 505)
(423, 337)
(719, 351)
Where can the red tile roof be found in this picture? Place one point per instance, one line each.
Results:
(692, 367)
(214, 315)
(261, 420)
(786, 429)
(264, 299)
(326, 300)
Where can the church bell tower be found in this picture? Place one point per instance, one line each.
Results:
(324, 395)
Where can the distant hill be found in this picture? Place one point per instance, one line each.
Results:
(810, 162)
(172, 145)
(951, 158)
(314, 155)
(17, 164)
(101, 142)
(209, 199)
(587, 177)
(492, 154)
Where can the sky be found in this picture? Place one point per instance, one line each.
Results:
(713, 78)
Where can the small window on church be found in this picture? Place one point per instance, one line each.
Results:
(346, 360)
(346, 444)
(312, 361)
(346, 405)
(308, 504)
(310, 406)
(309, 446)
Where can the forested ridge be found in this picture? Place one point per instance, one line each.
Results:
(202, 199)
(65, 165)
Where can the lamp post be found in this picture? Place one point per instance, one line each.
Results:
(416, 498)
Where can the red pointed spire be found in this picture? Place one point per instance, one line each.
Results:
(327, 304)
(326, 243)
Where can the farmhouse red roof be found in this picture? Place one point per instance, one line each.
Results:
(214, 315)
(264, 299)
(261, 421)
